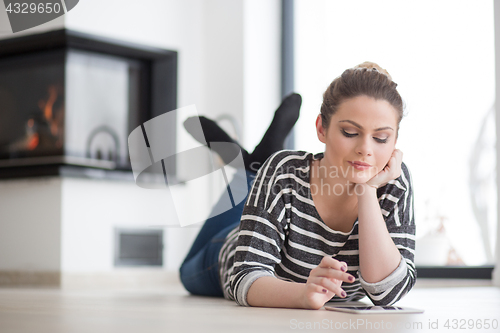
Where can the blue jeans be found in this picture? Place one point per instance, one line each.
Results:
(199, 272)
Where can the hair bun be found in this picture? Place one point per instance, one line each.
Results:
(373, 66)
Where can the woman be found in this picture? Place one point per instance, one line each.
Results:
(314, 222)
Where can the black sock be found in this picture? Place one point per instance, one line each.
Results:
(212, 133)
(284, 120)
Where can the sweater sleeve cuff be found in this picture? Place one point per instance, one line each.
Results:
(246, 283)
(389, 282)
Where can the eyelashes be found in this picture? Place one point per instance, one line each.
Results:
(351, 135)
(381, 140)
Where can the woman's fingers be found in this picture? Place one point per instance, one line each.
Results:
(333, 269)
(395, 163)
(391, 171)
(328, 277)
(332, 263)
(333, 274)
(323, 283)
(398, 156)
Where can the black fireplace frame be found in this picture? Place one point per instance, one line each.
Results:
(159, 83)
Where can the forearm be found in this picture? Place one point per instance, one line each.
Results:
(269, 291)
(378, 255)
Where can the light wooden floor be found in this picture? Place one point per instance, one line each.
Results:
(171, 309)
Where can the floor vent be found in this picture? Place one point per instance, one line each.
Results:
(138, 247)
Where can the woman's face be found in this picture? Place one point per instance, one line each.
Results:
(360, 138)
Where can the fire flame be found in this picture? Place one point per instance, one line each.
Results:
(33, 141)
(46, 106)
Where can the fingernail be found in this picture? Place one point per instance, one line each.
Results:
(324, 290)
(351, 278)
(343, 294)
(343, 268)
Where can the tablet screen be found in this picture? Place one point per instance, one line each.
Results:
(373, 309)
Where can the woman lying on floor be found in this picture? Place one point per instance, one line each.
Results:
(332, 226)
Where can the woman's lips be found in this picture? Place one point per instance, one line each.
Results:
(359, 165)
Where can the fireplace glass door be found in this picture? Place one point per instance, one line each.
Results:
(69, 107)
(32, 107)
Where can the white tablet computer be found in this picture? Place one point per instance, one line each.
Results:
(373, 309)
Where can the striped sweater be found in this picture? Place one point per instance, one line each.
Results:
(281, 234)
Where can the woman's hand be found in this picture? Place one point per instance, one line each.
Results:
(324, 282)
(391, 171)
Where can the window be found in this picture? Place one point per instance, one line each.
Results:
(441, 54)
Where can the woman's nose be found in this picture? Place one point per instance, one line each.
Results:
(364, 147)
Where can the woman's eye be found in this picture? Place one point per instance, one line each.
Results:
(381, 140)
(349, 135)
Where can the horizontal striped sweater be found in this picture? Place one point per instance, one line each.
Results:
(281, 234)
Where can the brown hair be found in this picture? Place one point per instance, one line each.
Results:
(367, 79)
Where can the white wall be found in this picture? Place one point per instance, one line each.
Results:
(262, 67)
(91, 209)
(223, 58)
(30, 224)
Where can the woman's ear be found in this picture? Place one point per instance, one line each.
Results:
(320, 130)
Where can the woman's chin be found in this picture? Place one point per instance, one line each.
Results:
(359, 180)
(360, 177)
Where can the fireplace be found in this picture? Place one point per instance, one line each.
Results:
(69, 100)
